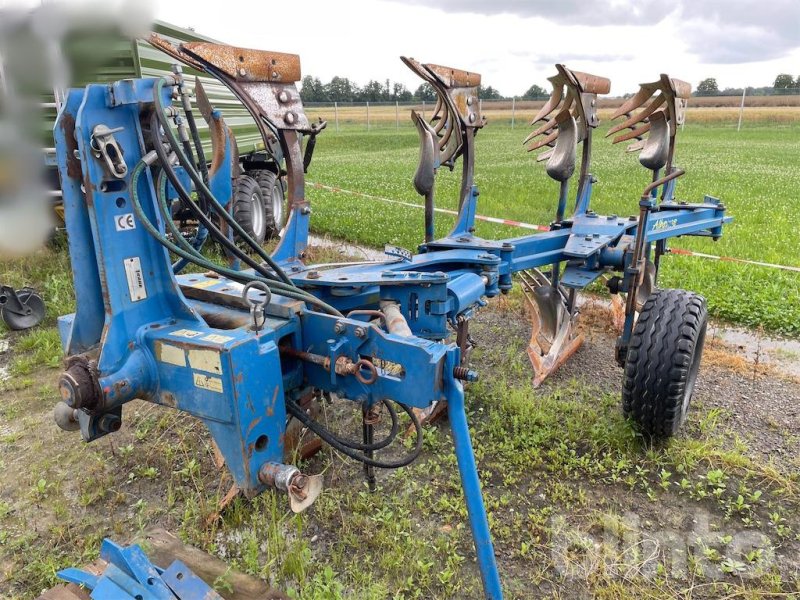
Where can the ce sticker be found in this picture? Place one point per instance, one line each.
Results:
(125, 222)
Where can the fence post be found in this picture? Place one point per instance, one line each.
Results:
(397, 115)
(423, 109)
(513, 110)
(741, 110)
(336, 115)
(367, 116)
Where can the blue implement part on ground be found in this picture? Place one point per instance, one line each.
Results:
(128, 573)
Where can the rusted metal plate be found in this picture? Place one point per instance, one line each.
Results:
(592, 84)
(683, 89)
(453, 78)
(244, 64)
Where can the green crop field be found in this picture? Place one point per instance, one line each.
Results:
(756, 172)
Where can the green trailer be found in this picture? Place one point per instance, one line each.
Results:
(259, 204)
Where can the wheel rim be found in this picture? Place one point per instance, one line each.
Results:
(277, 205)
(258, 215)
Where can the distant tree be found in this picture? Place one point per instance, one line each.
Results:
(312, 90)
(783, 81)
(425, 92)
(401, 93)
(707, 87)
(535, 93)
(372, 92)
(341, 89)
(731, 92)
(489, 93)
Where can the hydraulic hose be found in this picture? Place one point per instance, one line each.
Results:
(195, 257)
(202, 188)
(300, 414)
(213, 230)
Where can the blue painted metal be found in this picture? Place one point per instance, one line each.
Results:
(472, 488)
(129, 574)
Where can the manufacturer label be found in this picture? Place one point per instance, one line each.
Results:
(398, 252)
(207, 382)
(663, 224)
(187, 333)
(124, 222)
(135, 277)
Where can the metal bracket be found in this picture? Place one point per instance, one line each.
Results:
(106, 147)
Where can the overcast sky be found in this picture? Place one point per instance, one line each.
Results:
(514, 43)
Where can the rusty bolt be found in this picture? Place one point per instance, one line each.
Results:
(242, 72)
(360, 332)
(313, 275)
(339, 327)
(283, 96)
(289, 118)
(465, 374)
(274, 74)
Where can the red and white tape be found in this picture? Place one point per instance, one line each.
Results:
(522, 225)
(736, 260)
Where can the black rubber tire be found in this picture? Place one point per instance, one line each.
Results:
(663, 360)
(248, 200)
(271, 184)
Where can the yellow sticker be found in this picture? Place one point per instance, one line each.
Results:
(217, 339)
(187, 333)
(170, 354)
(206, 283)
(207, 382)
(205, 359)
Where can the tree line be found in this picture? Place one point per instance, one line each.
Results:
(342, 89)
(784, 84)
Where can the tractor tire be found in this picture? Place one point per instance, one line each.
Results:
(275, 200)
(663, 360)
(249, 208)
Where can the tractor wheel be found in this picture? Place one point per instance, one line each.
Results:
(272, 190)
(663, 360)
(249, 208)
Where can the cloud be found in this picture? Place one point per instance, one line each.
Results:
(740, 31)
(716, 31)
(574, 12)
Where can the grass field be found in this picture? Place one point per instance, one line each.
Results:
(756, 173)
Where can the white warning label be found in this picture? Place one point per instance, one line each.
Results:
(135, 277)
(206, 382)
